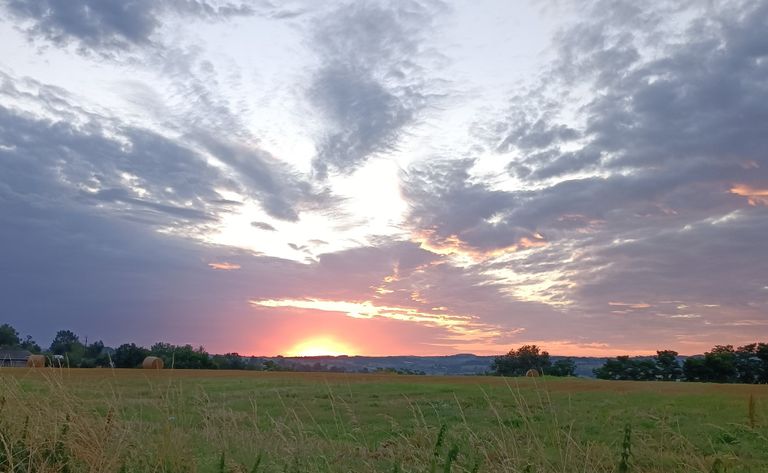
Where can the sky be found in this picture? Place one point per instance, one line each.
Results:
(386, 177)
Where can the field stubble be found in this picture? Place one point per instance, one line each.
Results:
(207, 421)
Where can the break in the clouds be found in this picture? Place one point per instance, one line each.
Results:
(400, 177)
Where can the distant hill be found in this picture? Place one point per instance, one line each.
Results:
(456, 365)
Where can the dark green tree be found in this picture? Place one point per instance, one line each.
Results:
(94, 350)
(695, 369)
(752, 363)
(30, 345)
(644, 369)
(563, 367)
(271, 365)
(64, 342)
(68, 344)
(716, 366)
(182, 356)
(721, 362)
(627, 369)
(9, 337)
(518, 362)
(229, 361)
(667, 366)
(619, 368)
(761, 352)
(94, 355)
(129, 355)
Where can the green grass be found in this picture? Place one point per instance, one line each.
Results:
(132, 420)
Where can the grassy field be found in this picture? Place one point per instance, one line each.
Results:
(101, 420)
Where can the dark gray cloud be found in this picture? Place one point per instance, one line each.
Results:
(140, 173)
(71, 266)
(198, 110)
(652, 193)
(446, 203)
(638, 205)
(370, 85)
(99, 160)
(109, 24)
(282, 192)
(263, 226)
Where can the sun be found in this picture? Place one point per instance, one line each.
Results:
(321, 346)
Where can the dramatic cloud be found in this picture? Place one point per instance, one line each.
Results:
(215, 180)
(140, 171)
(370, 85)
(453, 213)
(92, 159)
(652, 193)
(263, 226)
(108, 24)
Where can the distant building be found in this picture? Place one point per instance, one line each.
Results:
(14, 358)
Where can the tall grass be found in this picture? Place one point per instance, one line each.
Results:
(50, 423)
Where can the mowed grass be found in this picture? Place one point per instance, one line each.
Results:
(97, 420)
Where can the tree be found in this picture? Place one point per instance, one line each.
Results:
(695, 369)
(761, 352)
(9, 337)
(270, 365)
(68, 344)
(93, 350)
(182, 356)
(65, 341)
(563, 367)
(518, 362)
(30, 345)
(717, 366)
(230, 361)
(627, 369)
(667, 366)
(751, 363)
(619, 368)
(721, 362)
(129, 355)
(94, 355)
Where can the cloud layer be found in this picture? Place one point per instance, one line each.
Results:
(615, 203)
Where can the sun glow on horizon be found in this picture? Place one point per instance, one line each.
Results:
(321, 346)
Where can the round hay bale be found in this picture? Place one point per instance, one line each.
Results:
(36, 361)
(152, 363)
(532, 373)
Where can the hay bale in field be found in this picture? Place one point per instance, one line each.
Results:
(152, 363)
(36, 361)
(532, 373)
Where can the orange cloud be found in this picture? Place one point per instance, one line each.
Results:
(639, 305)
(454, 246)
(224, 266)
(459, 327)
(754, 195)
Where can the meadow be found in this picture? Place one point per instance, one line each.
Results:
(101, 420)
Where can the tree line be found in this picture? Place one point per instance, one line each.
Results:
(530, 357)
(722, 364)
(67, 349)
(746, 364)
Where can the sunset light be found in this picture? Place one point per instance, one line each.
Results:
(321, 346)
(425, 177)
(346, 227)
